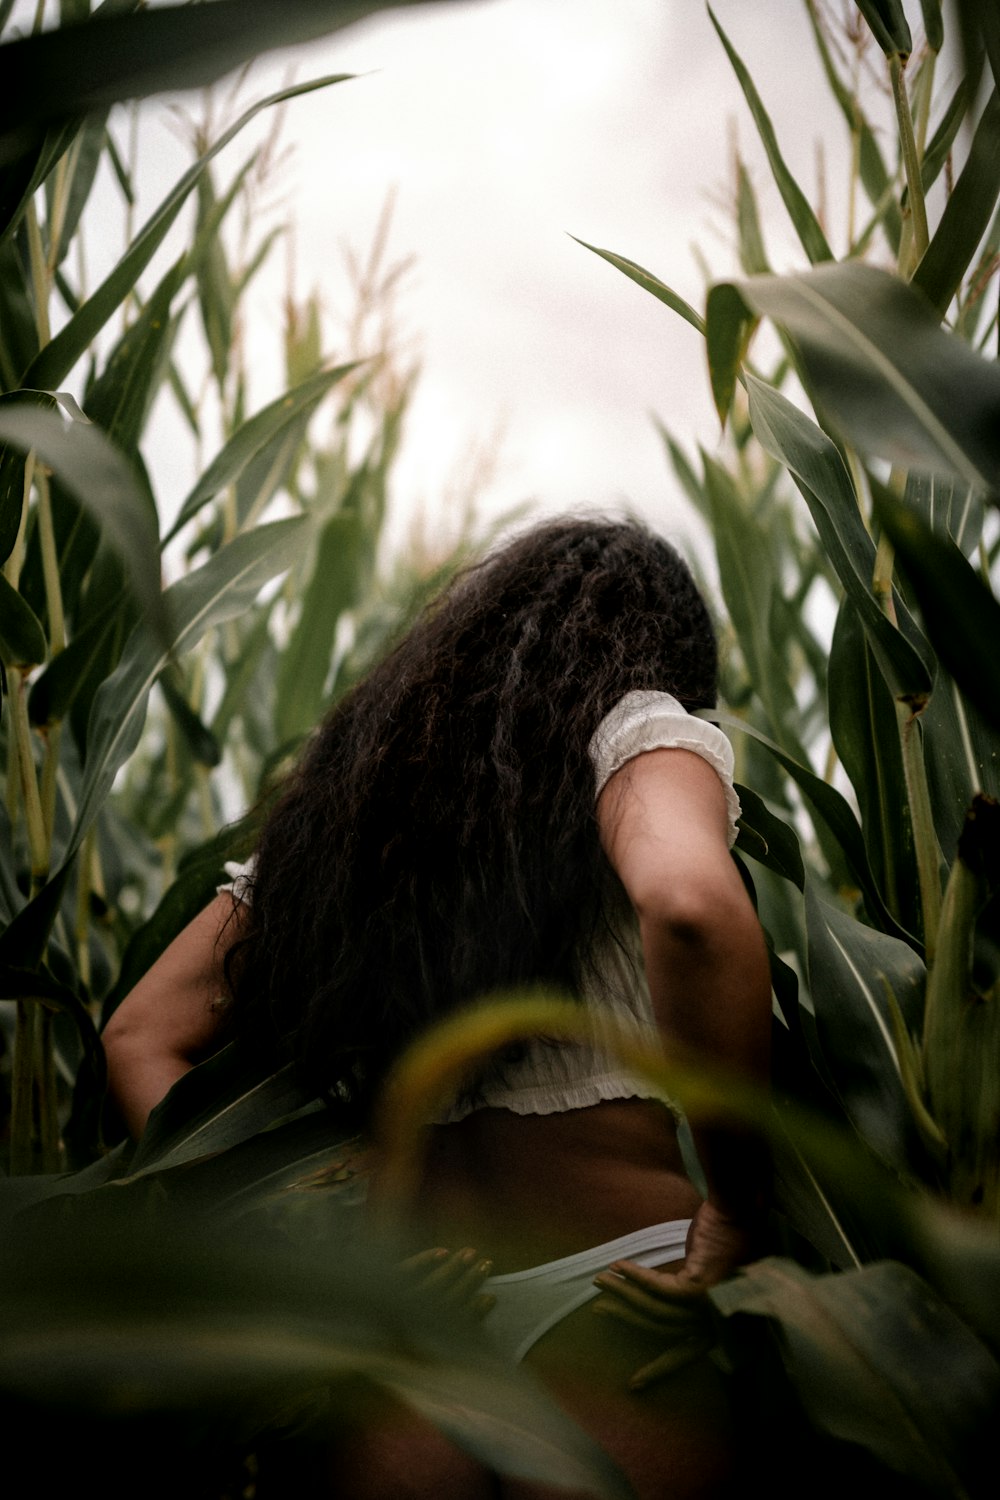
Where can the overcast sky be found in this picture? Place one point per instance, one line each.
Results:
(504, 127)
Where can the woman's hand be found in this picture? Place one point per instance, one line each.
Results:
(674, 1304)
(456, 1275)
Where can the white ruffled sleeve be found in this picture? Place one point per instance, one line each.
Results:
(240, 881)
(644, 721)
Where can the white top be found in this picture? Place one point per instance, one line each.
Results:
(551, 1077)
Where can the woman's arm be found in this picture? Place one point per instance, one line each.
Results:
(169, 1020)
(664, 825)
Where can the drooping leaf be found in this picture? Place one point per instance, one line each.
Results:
(900, 386)
(889, 26)
(114, 57)
(819, 471)
(54, 690)
(649, 283)
(879, 1361)
(768, 839)
(236, 1328)
(98, 476)
(961, 615)
(87, 151)
(729, 327)
(18, 333)
(22, 639)
(966, 215)
(805, 222)
(846, 960)
(200, 740)
(831, 810)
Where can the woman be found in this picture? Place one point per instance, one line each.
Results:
(517, 795)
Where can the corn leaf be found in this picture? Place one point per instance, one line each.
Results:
(768, 839)
(53, 363)
(76, 69)
(729, 327)
(879, 1361)
(805, 222)
(22, 639)
(960, 614)
(235, 1326)
(649, 283)
(253, 437)
(224, 587)
(852, 1021)
(830, 811)
(888, 24)
(866, 737)
(815, 464)
(54, 690)
(99, 477)
(966, 215)
(900, 386)
(18, 333)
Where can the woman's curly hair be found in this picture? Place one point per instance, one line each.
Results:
(438, 839)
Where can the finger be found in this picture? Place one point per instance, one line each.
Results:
(667, 1285)
(609, 1307)
(424, 1260)
(657, 1300)
(670, 1362)
(481, 1305)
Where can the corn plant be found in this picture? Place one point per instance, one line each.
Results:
(871, 759)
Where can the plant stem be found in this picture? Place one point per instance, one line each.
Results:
(37, 842)
(50, 565)
(928, 853)
(22, 1089)
(911, 162)
(39, 274)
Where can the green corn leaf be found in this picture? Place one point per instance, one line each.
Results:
(900, 386)
(200, 740)
(830, 811)
(254, 647)
(879, 1361)
(966, 216)
(307, 659)
(22, 639)
(53, 363)
(945, 505)
(866, 737)
(805, 222)
(815, 464)
(940, 144)
(98, 476)
(18, 333)
(649, 283)
(753, 256)
(960, 754)
(962, 1022)
(12, 468)
(26, 159)
(871, 166)
(226, 586)
(746, 574)
(729, 327)
(888, 24)
(54, 690)
(960, 614)
(230, 1329)
(89, 148)
(255, 434)
(120, 398)
(933, 24)
(854, 1025)
(114, 57)
(768, 839)
(216, 297)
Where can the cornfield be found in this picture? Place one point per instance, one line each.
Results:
(858, 481)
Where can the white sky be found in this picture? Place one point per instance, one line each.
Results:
(504, 126)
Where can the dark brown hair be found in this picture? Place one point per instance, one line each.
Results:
(438, 840)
